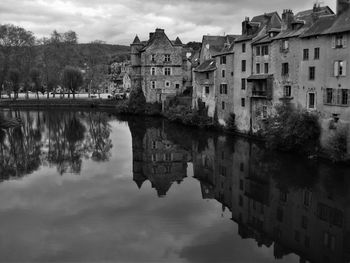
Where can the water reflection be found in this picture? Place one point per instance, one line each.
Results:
(280, 201)
(53, 138)
(286, 205)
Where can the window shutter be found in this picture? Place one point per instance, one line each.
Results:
(333, 41)
(338, 96)
(281, 46)
(336, 68)
(345, 41)
(324, 95)
(344, 68)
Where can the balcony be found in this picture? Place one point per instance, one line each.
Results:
(261, 86)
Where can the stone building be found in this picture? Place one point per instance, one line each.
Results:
(212, 79)
(243, 99)
(159, 66)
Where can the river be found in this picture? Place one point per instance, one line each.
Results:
(88, 186)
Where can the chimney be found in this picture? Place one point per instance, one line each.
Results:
(245, 25)
(151, 35)
(316, 12)
(287, 19)
(342, 5)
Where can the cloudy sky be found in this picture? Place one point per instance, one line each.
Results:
(117, 21)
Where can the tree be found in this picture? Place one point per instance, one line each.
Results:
(72, 79)
(14, 77)
(13, 40)
(36, 80)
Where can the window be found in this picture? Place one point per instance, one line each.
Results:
(154, 157)
(241, 167)
(287, 91)
(304, 222)
(329, 241)
(244, 64)
(167, 157)
(153, 58)
(264, 112)
(153, 71)
(167, 71)
(306, 54)
(344, 97)
(243, 48)
(311, 101)
(243, 102)
(223, 60)
(257, 51)
(243, 84)
(153, 84)
(223, 73)
(223, 88)
(167, 57)
(207, 75)
(257, 68)
(329, 96)
(283, 196)
(340, 68)
(317, 53)
(223, 105)
(339, 41)
(266, 68)
(284, 45)
(311, 73)
(240, 201)
(167, 84)
(207, 90)
(154, 145)
(264, 50)
(285, 69)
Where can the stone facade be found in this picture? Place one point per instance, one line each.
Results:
(159, 66)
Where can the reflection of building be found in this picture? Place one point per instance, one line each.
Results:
(307, 219)
(157, 159)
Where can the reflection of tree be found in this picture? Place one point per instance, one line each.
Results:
(66, 141)
(20, 148)
(99, 130)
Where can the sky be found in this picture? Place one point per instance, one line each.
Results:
(118, 21)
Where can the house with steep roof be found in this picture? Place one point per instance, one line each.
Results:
(257, 29)
(158, 66)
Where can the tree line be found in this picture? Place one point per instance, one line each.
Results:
(53, 64)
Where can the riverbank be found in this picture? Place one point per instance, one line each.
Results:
(59, 102)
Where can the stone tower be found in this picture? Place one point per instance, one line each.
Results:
(135, 57)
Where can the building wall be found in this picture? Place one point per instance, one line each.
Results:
(242, 113)
(200, 82)
(159, 49)
(227, 99)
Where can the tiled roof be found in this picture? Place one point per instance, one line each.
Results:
(206, 66)
(341, 24)
(307, 14)
(216, 43)
(321, 25)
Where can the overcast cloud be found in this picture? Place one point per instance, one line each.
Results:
(117, 21)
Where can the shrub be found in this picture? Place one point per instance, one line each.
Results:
(336, 147)
(293, 130)
(231, 123)
(137, 101)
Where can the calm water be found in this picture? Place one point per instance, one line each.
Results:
(91, 187)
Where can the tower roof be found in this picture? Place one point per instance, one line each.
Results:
(136, 40)
(178, 41)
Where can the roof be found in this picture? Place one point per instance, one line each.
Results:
(216, 43)
(228, 47)
(331, 24)
(206, 66)
(136, 40)
(158, 34)
(306, 15)
(321, 25)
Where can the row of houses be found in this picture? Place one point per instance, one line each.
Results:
(296, 58)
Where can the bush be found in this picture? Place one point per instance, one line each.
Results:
(137, 102)
(231, 123)
(293, 130)
(337, 145)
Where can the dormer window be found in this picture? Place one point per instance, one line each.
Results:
(167, 58)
